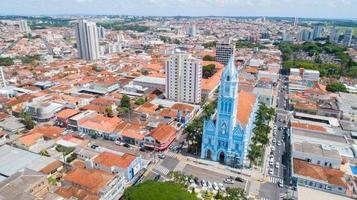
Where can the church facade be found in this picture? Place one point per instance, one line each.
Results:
(226, 138)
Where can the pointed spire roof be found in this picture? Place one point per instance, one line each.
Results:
(230, 71)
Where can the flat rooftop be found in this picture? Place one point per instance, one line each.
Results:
(13, 159)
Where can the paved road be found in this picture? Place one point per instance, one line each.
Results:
(211, 176)
(281, 155)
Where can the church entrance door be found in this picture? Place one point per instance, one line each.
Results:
(208, 155)
(221, 157)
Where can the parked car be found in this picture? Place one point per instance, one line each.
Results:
(274, 140)
(142, 149)
(119, 143)
(126, 145)
(94, 146)
(215, 186)
(209, 185)
(280, 184)
(239, 179)
(277, 165)
(279, 143)
(228, 181)
(271, 171)
(203, 182)
(161, 156)
(157, 177)
(221, 187)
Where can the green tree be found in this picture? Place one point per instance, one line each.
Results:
(125, 102)
(6, 61)
(336, 87)
(208, 70)
(209, 58)
(140, 101)
(122, 111)
(109, 112)
(27, 120)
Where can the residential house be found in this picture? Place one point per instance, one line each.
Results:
(161, 137)
(127, 164)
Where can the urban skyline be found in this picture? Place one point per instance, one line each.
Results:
(288, 8)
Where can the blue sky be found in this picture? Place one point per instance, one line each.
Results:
(299, 8)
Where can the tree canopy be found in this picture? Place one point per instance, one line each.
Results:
(209, 58)
(336, 87)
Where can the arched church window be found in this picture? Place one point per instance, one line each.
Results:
(224, 128)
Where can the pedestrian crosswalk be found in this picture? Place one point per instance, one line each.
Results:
(162, 169)
(171, 154)
(273, 179)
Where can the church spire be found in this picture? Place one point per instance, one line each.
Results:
(230, 72)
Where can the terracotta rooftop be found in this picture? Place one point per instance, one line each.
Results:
(51, 167)
(166, 112)
(163, 132)
(67, 113)
(245, 106)
(147, 108)
(182, 107)
(48, 131)
(102, 123)
(108, 159)
(330, 175)
(30, 139)
(308, 126)
(90, 179)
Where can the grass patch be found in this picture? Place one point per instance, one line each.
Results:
(151, 190)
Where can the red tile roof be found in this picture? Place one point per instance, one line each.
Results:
(163, 132)
(245, 106)
(109, 159)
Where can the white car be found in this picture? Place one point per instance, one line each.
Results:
(203, 182)
(215, 186)
(209, 185)
(119, 143)
(274, 140)
(271, 162)
(279, 143)
(271, 171)
(276, 165)
(273, 148)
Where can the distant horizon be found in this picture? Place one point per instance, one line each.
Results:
(173, 16)
(314, 9)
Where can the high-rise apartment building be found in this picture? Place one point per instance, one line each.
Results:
(183, 78)
(347, 38)
(23, 26)
(317, 32)
(101, 32)
(334, 36)
(2, 78)
(87, 40)
(224, 50)
(192, 30)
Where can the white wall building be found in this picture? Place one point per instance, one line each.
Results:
(24, 28)
(87, 40)
(183, 78)
(2, 78)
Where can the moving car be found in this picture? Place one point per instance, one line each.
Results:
(161, 156)
(239, 179)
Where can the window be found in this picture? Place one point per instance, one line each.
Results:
(228, 78)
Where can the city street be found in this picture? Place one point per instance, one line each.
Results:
(279, 158)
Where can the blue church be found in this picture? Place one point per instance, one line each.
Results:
(226, 137)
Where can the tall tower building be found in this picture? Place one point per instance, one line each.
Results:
(24, 28)
(2, 78)
(192, 30)
(101, 32)
(347, 38)
(224, 51)
(87, 40)
(317, 32)
(334, 36)
(183, 78)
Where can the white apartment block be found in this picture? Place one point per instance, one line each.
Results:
(183, 78)
(24, 28)
(2, 78)
(87, 40)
